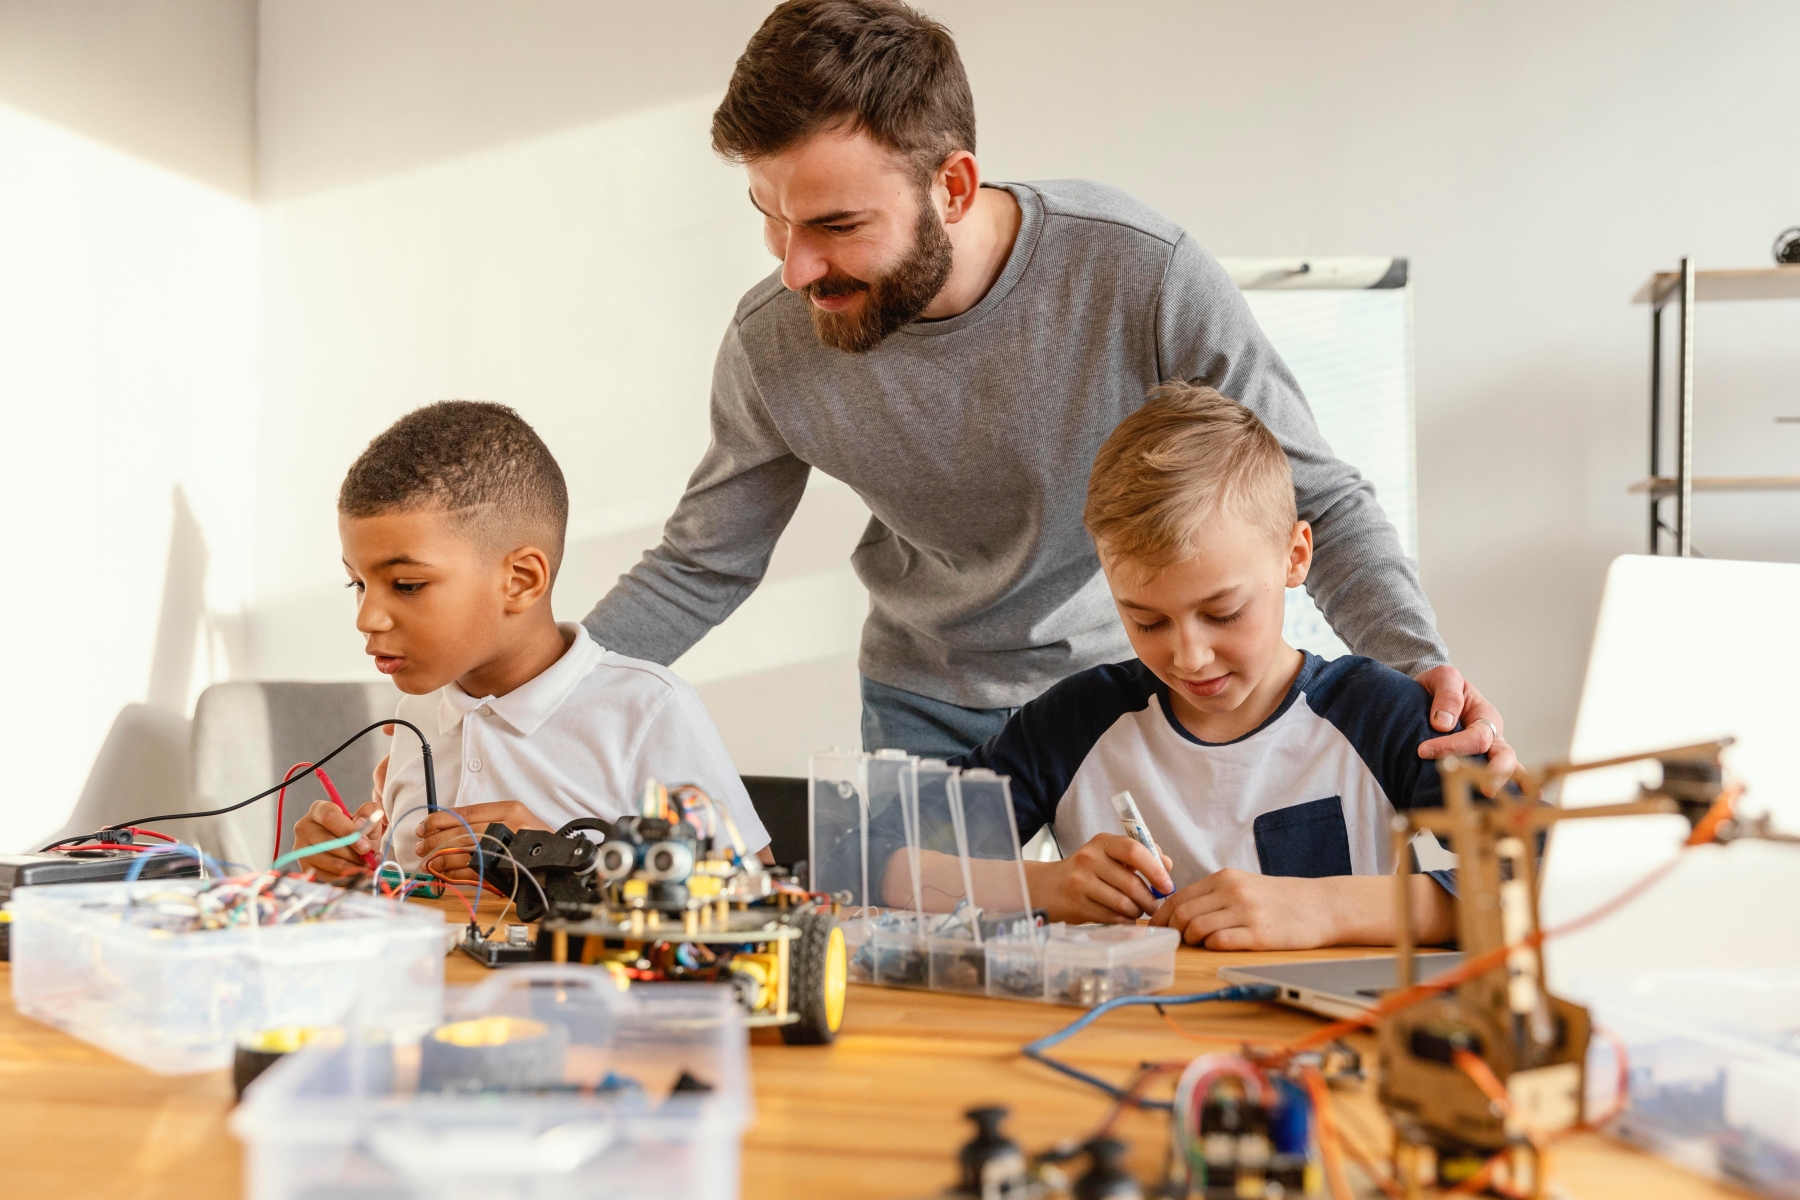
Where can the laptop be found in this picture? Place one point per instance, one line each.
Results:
(1340, 987)
(1685, 650)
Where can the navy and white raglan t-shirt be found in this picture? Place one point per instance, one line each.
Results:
(1309, 792)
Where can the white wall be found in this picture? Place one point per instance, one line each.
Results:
(1523, 156)
(127, 344)
(519, 204)
(515, 201)
(1535, 161)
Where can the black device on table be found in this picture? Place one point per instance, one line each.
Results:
(81, 866)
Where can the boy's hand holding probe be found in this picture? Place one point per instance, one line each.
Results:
(325, 822)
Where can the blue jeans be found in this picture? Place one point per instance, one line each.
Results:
(893, 719)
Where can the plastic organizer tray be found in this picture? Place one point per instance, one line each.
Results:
(630, 1094)
(179, 1002)
(1713, 1061)
(926, 859)
(1082, 965)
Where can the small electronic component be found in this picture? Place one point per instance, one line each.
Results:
(993, 1166)
(1106, 1177)
(511, 944)
(1242, 1129)
(1133, 821)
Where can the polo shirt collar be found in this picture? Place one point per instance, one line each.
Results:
(527, 707)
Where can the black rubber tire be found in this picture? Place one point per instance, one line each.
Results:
(806, 982)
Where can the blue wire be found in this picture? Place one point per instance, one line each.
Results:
(205, 860)
(480, 864)
(1035, 1050)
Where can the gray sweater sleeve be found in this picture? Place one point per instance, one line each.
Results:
(717, 543)
(1367, 588)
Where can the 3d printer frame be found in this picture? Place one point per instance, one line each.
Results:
(1497, 1065)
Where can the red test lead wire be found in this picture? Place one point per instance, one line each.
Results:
(370, 858)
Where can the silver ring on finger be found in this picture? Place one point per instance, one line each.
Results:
(1495, 729)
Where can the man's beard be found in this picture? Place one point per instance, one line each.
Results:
(892, 300)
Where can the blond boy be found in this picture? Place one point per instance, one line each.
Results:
(1268, 776)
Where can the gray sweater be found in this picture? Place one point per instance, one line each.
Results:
(970, 440)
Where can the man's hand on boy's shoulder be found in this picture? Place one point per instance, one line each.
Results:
(1099, 882)
(1454, 698)
(1243, 910)
(443, 840)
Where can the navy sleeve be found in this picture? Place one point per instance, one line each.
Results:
(1385, 716)
(1044, 743)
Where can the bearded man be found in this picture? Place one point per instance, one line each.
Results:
(956, 352)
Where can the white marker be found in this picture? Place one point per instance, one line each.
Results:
(1133, 821)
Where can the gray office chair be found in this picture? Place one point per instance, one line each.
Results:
(247, 734)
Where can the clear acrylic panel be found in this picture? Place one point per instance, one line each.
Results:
(890, 774)
(939, 862)
(838, 826)
(991, 845)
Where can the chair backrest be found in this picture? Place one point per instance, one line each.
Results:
(245, 737)
(780, 800)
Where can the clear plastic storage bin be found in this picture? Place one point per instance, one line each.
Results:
(928, 856)
(1713, 1063)
(179, 1002)
(1091, 964)
(546, 1082)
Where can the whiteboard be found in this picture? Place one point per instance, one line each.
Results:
(1351, 350)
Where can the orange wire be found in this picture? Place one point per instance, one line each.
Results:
(1407, 997)
(1479, 1179)
(1622, 1096)
(1330, 1148)
(1366, 1161)
(1169, 1020)
(1721, 811)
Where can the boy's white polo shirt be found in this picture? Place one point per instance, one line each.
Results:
(577, 741)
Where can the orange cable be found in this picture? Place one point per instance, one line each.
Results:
(1330, 1149)
(1169, 1020)
(1722, 810)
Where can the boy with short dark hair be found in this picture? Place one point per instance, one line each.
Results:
(1267, 776)
(452, 525)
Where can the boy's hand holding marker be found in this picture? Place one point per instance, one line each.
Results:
(1139, 832)
(1113, 879)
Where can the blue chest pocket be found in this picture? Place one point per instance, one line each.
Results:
(1307, 840)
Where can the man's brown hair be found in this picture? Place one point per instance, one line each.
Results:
(479, 461)
(875, 65)
(1188, 455)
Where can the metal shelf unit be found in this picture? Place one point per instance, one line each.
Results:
(1683, 289)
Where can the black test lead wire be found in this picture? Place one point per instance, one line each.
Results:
(431, 804)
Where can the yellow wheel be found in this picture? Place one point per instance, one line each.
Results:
(837, 979)
(818, 971)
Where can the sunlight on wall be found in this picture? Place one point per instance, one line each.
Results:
(583, 277)
(127, 347)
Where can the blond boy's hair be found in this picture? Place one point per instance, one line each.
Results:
(1187, 456)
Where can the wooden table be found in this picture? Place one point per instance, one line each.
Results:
(878, 1114)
